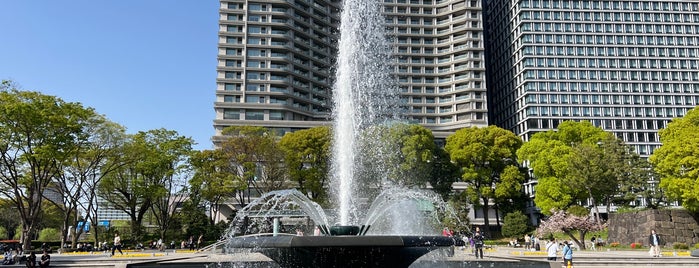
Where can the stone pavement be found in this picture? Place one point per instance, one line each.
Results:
(587, 259)
(495, 257)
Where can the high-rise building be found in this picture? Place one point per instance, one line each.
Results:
(276, 62)
(626, 66)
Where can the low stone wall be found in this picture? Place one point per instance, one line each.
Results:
(673, 225)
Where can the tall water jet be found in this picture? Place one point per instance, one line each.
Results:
(365, 94)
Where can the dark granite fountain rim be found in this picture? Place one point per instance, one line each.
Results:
(342, 241)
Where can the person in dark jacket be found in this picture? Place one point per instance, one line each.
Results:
(31, 260)
(478, 242)
(45, 260)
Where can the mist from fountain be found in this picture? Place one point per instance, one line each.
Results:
(366, 101)
(365, 94)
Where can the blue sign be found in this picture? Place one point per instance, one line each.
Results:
(103, 223)
(82, 224)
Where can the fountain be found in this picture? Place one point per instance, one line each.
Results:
(394, 232)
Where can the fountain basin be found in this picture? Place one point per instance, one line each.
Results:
(344, 230)
(343, 251)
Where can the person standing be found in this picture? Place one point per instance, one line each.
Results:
(478, 242)
(117, 244)
(567, 255)
(527, 241)
(551, 249)
(594, 242)
(654, 241)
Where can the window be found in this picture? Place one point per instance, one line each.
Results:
(254, 115)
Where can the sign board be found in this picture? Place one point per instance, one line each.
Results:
(84, 225)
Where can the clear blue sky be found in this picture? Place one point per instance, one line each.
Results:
(145, 64)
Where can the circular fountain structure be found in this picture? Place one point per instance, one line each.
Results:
(342, 245)
(394, 232)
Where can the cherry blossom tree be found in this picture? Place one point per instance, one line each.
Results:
(561, 221)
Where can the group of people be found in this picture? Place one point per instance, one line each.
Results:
(475, 242)
(552, 248)
(15, 257)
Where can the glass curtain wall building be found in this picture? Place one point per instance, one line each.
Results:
(627, 66)
(276, 62)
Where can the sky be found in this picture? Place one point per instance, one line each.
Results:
(143, 64)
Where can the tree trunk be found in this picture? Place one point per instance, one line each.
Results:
(486, 220)
(594, 206)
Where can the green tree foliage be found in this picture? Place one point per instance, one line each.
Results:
(153, 160)
(677, 160)
(49, 234)
(214, 179)
(256, 157)
(443, 174)
(486, 157)
(459, 220)
(516, 224)
(82, 171)
(307, 156)
(9, 218)
(37, 133)
(581, 162)
(401, 154)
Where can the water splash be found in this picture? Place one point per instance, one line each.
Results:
(407, 212)
(365, 94)
(276, 204)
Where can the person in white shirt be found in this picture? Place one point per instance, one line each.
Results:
(552, 249)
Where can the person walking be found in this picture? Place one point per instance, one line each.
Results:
(654, 241)
(567, 255)
(551, 249)
(117, 244)
(594, 242)
(478, 242)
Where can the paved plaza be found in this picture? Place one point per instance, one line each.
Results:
(495, 257)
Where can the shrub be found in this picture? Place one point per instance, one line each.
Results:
(696, 245)
(636, 245)
(679, 245)
(49, 234)
(614, 244)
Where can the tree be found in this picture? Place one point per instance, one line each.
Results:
(9, 217)
(307, 154)
(443, 173)
(569, 223)
(550, 155)
(488, 161)
(82, 170)
(580, 162)
(516, 224)
(37, 133)
(677, 160)
(213, 180)
(154, 158)
(256, 158)
(394, 154)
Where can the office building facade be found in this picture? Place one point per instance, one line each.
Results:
(276, 62)
(626, 66)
